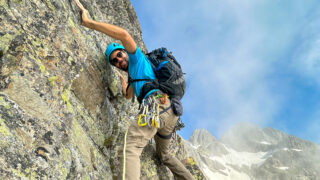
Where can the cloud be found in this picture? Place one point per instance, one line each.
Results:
(217, 41)
(307, 60)
(234, 53)
(229, 80)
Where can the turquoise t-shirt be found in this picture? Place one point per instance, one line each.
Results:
(139, 68)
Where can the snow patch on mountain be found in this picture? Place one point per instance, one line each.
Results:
(228, 174)
(240, 158)
(265, 142)
(194, 146)
(283, 168)
(287, 149)
(298, 150)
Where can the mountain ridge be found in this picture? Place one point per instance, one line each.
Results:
(255, 158)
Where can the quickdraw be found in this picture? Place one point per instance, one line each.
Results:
(152, 117)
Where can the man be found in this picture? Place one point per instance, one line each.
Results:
(130, 59)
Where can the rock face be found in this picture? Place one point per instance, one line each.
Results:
(62, 114)
(249, 152)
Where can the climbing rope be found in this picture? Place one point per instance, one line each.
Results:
(124, 156)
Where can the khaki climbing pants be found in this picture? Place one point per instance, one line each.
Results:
(137, 138)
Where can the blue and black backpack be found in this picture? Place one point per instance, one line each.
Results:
(170, 78)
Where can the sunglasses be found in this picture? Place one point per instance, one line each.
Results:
(115, 60)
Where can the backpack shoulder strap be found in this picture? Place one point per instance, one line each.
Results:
(133, 97)
(136, 80)
(130, 80)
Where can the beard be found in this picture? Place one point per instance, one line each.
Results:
(127, 64)
(125, 69)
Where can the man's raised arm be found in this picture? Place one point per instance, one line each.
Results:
(108, 29)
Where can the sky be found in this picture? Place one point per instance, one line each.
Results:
(245, 60)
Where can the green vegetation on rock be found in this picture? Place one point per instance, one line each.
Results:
(18, 173)
(52, 80)
(108, 141)
(17, 1)
(41, 66)
(65, 98)
(70, 60)
(5, 42)
(3, 103)
(191, 161)
(113, 86)
(71, 22)
(4, 130)
(50, 6)
(64, 5)
(37, 42)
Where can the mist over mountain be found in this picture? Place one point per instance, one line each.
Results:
(249, 152)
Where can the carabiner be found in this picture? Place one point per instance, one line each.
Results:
(142, 116)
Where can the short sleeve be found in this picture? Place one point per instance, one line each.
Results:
(138, 55)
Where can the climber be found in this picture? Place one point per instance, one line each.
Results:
(130, 59)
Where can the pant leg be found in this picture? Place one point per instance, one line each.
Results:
(168, 121)
(137, 138)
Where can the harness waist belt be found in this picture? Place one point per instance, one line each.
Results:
(165, 110)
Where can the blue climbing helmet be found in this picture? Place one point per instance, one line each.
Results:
(112, 47)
